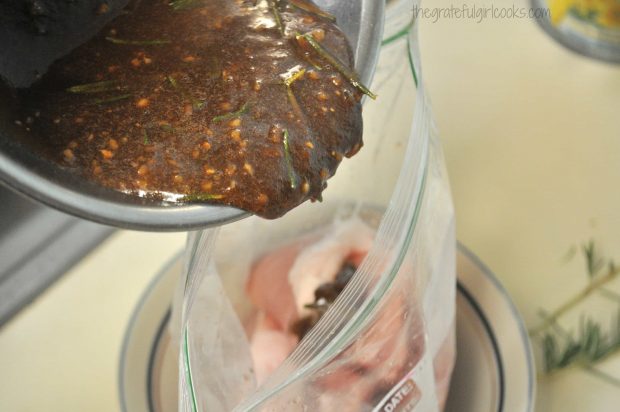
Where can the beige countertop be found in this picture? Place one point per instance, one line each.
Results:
(531, 134)
(62, 352)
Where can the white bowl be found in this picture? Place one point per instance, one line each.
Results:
(494, 369)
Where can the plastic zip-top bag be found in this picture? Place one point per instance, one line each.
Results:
(344, 305)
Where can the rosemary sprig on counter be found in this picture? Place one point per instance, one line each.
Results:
(598, 279)
(591, 343)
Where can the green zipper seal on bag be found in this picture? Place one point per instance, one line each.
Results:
(403, 32)
(188, 371)
(399, 35)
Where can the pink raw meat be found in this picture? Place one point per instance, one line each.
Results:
(320, 262)
(270, 346)
(377, 360)
(270, 290)
(284, 280)
(268, 287)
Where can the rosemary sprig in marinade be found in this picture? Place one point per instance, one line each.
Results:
(289, 79)
(95, 87)
(112, 99)
(273, 6)
(201, 197)
(289, 159)
(196, 104)
(242, 110)
(311, 8)
(179, 5)
(116, 40)
(351, 76)
(270, 130)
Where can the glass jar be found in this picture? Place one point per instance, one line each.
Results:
(590, 27)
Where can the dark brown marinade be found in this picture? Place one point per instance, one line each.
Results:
(324, 296)
(203, 100)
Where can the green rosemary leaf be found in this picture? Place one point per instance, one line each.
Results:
(178, 5)
(351, 76)
(592, 339)
(167, 128)
(570, 254)
(550, 348)
(96, 87)
(145, 137)
(294, 103)
(592, 344)
(112, 99)
(616, 327)
(311, 8)
(116, 40)
(594, 263)
(289, 160)
(172, 81)
(293, 75)
(312, 62)
(196, 104)
(276, 15)
(232, 115)
(570, 354)
(201, 197)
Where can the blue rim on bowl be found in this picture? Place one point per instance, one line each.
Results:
(505, 330)
(503, 344)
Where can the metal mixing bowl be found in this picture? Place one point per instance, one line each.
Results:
(23, 171)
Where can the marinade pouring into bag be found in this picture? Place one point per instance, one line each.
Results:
(387, 341)
(246, 103)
